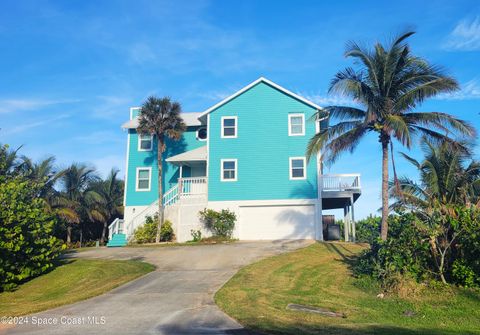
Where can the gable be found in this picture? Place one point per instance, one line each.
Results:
(256, 84)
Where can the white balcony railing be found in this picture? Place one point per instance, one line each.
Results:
(340, 182)
(116, 227)
(192, 187)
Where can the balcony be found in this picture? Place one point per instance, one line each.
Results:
(339, 190)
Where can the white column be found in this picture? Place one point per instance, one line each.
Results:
(353, 220)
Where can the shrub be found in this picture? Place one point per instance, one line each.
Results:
(27, 247)
(404, 253)
(219, 223)
(368, 229)
(463, 275)
(196, 235)
(148, 232)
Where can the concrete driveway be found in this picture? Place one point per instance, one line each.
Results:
(177, 298)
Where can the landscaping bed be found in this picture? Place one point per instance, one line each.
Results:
(319, 276)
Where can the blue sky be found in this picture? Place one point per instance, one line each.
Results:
(69, 70)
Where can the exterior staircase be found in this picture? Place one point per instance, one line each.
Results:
(118, 240)
(188, 190)
(116, 236)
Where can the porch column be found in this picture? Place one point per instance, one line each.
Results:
(353, 220)
(346, 223)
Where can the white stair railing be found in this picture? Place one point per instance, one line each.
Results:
(116, 227)
(186, 188)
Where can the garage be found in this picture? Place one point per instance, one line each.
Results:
(277, 222)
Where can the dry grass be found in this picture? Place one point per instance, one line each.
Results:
(319, 276)
(74, 281)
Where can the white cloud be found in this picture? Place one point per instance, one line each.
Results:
(18, 105)
(328, 100)
(112, 108)
(465, 36)
(469, 91)
(35, 124)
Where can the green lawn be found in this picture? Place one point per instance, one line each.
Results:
(75, 280)
(319, 275)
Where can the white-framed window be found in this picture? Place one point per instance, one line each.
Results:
(298, 168)
(229, 127)
(144, 179)
(145, 142)
(228, 168)
(296, 124)
(202, 134)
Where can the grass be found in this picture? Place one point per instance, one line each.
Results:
(203, 241)
(73, 281)
(319, 276)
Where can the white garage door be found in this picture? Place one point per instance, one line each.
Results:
(277, 222)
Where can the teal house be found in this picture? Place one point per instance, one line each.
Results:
(246, 154)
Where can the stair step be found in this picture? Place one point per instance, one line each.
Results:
(117, 240)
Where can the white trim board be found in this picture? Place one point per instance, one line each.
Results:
(246, 88)
(222, 126)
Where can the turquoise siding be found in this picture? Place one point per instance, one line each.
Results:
(149, 159)
(262, 148)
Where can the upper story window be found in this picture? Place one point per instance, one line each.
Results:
(202, 134)
(228, 170)
(296, 124)
(144, 177)
(298, 168)
(145, 142)
(229, 127)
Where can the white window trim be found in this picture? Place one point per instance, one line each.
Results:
(140, 141)
(198, 137)
(304, 168)
(236, 126)
(290, 116)
(149, 179)
(221, 169)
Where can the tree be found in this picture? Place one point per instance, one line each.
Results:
(447, 176)
(389, 85)
(161, 117)
(27, 247)
(445, 198)
(77, 201)
(111, 204)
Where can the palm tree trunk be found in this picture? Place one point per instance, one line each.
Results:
(69, 234)
(104, 233)
(384, 226)
(160, 186)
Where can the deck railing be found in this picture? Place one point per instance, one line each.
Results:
(340, 182)
(192, 186)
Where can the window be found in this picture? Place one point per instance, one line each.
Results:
(296, 124)
(229, 170)
(143, 179)
(298, 168)
(202, 134)
(145, 142)
(229, 127)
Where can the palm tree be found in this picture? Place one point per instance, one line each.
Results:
(77, 201)
(161, 117)
(111, 191)
(389, 85)
(448, 176)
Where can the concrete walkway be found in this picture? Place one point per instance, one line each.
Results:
(177, 298)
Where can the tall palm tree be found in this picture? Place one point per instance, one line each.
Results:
(389, 85)
(111, 205)
(77, 200)
(161, 117)
(447, 176)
